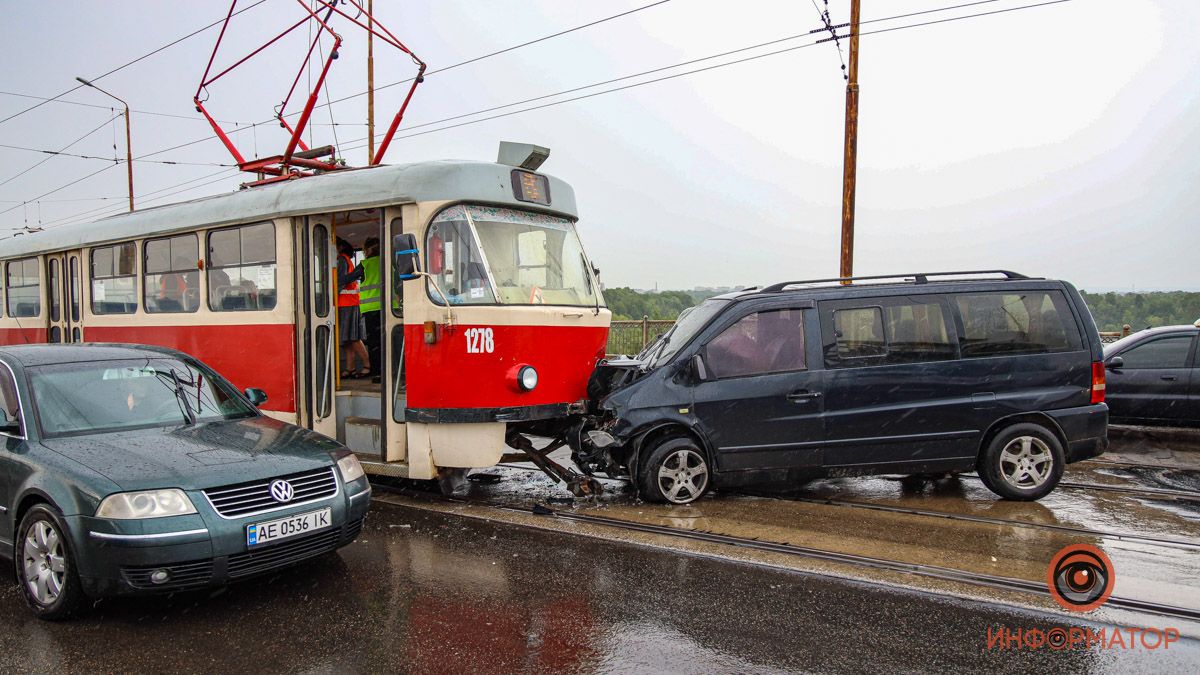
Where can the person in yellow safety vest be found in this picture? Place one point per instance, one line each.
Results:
(350, 329)
(370, 294)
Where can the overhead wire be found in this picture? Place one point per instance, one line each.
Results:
(824, 16)
(60, 150)
(130, 63)
(689, 72)
(693, 71)
(119, 160)
(527, 43)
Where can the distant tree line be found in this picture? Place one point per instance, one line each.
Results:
(1111, 310)
(627, 303)
(1140, 310)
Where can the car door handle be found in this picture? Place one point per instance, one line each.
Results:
(803, 396)
(1169, 378)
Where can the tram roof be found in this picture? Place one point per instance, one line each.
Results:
(327, 193)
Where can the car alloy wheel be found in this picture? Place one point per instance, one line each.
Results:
(1026, 462)
(682, 476)
(44, 562)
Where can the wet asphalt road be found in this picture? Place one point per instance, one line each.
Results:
(429, 592)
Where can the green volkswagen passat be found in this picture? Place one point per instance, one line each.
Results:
(131, 469)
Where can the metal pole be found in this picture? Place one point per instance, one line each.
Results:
(129, 156)
(128, 136)
(370, 82)
(850, 161)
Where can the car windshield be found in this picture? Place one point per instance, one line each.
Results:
(690, 322)
(483, 255)
(79, 398)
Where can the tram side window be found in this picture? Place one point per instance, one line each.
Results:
(172, 277)
(114, 279)
(241, 268)
(24, 293)
(452, 256)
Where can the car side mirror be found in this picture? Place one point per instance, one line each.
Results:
(698, 370)
(256, 396)
(406, 264)
(9, 425)
(1115, 363)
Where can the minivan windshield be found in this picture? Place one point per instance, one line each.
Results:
(686, 327)
(486, 255)
(80, 398)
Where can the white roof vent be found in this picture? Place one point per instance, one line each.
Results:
(522, 155)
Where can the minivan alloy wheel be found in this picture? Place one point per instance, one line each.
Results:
(45, 564)
(683, 476)
(1026, 462)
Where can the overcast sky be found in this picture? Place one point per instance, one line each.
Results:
(1058, 141)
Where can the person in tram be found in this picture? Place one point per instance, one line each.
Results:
(350, 330)
(173, 287)
(370, 295)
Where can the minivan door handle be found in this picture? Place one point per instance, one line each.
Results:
(803, 396)
(1169, 378)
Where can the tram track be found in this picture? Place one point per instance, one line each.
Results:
(1003, 522)
(806, 552)
(981, 519)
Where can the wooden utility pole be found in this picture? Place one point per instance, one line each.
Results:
(370, 82)
(850, 161)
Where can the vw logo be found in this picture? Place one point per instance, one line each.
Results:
(281, 491)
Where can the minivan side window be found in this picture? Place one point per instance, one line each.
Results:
(886, 331)
(859, 332)
(1168, 352)
(1033, 322)
(760, 343)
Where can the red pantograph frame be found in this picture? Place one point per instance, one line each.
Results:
(291, 164)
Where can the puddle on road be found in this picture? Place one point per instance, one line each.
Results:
(1146, 570)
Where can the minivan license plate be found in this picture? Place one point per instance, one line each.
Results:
(286, 528)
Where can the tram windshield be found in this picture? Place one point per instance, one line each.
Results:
(482, 255)
(82, 398)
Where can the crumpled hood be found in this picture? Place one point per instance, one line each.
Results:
(208, 454)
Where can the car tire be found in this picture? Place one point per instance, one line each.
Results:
(43, 551)
(676, 471)
(1023, 462)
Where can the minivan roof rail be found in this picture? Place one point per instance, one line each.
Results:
(922, 278)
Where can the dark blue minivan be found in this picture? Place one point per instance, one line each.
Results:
(927, 373)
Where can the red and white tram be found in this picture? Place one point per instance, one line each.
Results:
(497, 336)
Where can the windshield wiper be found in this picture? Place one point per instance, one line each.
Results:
(587, 272)
(180, 397)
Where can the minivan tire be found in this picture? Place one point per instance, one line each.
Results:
(44, 524)
(676, 471)
(1014, 464)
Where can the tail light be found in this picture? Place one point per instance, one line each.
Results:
(430, 329)
(1097, 382)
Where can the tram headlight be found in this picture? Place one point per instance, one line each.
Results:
(527, 378)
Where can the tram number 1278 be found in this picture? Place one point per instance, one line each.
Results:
(480, 341)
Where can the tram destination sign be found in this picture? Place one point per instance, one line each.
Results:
(530, 187)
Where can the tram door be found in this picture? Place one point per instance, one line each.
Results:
(315, 319)
(63, 298)
(395, 390)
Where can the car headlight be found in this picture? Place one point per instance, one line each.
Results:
(145, 504)
(527, 378)
(350, 468)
